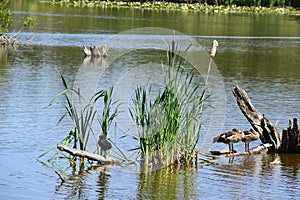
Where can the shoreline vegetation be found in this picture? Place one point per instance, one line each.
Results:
(183, 6)
(6, 20)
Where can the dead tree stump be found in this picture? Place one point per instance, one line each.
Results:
(291, 138)
(267, 131)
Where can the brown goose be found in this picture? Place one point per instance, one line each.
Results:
(229, 138)
(249, 136)
(104, 145)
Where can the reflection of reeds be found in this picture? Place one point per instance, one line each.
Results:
(171, 182)
(169, 125)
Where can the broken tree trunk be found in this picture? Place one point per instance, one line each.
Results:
(267, 131)
(291, 138)
(93, 51)
(90, 156)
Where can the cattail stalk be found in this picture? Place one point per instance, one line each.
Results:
(212, 54)
(173, 45)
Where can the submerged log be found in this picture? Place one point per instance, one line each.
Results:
(291, 138)
(88, 155)
(267, 131)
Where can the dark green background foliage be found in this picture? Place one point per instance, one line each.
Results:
(5, 16)
(266, 3)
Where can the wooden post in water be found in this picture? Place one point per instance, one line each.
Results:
(291, 138)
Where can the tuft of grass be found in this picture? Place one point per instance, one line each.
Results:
(83, 113)
(81, 117)
(169, 125)
(108, 115)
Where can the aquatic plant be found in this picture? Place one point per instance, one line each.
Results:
(83, 113)
(82, 117)
(108, 115)
(169, 122)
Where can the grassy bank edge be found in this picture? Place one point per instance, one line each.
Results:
(169, 6)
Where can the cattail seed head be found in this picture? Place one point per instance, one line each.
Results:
(214, 48)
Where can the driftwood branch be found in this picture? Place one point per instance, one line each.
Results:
(6, 40)
(257, 150)
(90, 156)
(267, 131)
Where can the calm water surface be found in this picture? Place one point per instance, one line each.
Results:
(260, 53)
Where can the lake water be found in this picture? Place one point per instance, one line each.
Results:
(260, 53)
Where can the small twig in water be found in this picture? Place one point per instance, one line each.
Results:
(60, 176)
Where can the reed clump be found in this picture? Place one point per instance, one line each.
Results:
(83, 114)
(168, 122)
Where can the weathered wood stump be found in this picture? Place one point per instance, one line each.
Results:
(8, 40)
(267, 131)
(290, 142)
(93, 51)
